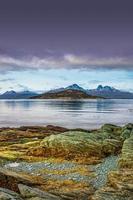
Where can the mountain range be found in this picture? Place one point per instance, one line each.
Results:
(110, 92)
(100, 91)
(17, 95)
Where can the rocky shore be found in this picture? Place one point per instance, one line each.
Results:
(47, 163)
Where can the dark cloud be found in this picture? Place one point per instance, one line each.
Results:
(69, 61)
(81, 34)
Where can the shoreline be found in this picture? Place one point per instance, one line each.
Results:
(89, 128)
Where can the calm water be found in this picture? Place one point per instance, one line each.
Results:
(81, 113)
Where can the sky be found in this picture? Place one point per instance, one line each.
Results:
(47, 44)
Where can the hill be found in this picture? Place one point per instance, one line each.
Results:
(66, 94)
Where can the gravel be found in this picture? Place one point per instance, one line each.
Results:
(109, 164)
(100, 170)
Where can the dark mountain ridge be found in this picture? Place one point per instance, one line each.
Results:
(100, 91)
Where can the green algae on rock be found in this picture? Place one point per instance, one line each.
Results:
(80, 144)
(120, 182)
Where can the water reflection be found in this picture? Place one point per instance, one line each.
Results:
(22, 104)
(105, 104)
(79, 113)
(100, 105)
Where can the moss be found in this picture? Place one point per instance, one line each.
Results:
(10, 155)
(82, 170)
(66, 186)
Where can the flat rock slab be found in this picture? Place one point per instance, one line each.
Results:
(28, 192)
(6, 194)
(10, 180)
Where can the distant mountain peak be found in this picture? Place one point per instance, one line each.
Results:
(74, 87)
(105, 88)
(10, 92)
(99, 87)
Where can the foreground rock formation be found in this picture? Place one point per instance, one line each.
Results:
(82, 146)
(120, 182)
(57, 163)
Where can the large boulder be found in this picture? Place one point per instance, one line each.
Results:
(80, 144)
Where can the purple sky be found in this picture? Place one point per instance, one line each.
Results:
(40, 27)
(66, 34)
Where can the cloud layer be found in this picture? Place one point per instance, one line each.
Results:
(68, 61)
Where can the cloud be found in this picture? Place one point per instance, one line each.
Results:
(68, 61)
(93, 62)
(11, 88)
(6, 79)
(23, 87)
(95, 81)
(63, 78)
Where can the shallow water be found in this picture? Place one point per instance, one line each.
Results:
(68, 113)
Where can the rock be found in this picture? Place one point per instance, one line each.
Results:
(120, 182)
(35, 193)
(110, 128)
(119, 186)
(111, 146)
(36, 187)
(55, 145)
(6, 194)
(111, 194)
(126, 131)
(68, 145)
(80, 144)
(10, 180)
(126, 160)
